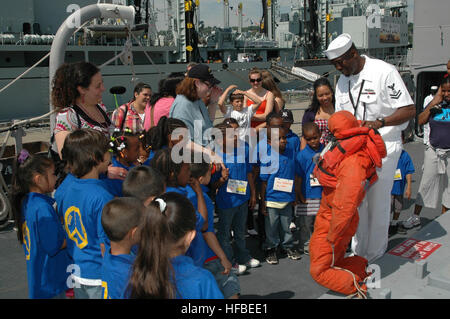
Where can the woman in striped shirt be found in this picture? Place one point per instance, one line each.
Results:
(320, 110)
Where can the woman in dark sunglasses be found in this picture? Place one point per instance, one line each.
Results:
(259, 119)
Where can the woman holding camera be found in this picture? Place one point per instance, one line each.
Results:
(436, 162)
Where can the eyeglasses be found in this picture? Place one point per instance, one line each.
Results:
(209, 85)
(255, 80)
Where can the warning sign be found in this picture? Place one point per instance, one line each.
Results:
(414, 249)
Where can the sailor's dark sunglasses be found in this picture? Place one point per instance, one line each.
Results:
(255, 80)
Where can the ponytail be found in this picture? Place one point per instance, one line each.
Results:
(167, 220)
(25, 167)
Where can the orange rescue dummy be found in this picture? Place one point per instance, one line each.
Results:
(345, 168)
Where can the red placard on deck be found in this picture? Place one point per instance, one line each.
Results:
(414, 249)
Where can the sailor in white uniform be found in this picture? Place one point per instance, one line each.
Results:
(374, 92)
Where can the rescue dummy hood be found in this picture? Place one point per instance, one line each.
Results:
(341, 121)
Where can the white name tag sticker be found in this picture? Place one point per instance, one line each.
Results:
(283, 185)
(313, 181)
(237, 187)
(398, 175)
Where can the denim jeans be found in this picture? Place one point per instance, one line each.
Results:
(234, 219)
(277, 227)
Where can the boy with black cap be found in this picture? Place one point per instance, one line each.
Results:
(292, 138)
(293, 144)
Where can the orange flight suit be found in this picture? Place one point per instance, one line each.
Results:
(343, 171)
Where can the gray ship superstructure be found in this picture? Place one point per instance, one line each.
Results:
(28, 29)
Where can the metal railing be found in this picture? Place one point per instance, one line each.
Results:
(16, 130)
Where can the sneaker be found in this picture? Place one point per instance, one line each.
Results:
(253, 263)
(393, 229)
(271, 256)
(292, 227)
(238, 269)
(401, 230)
(411, 222)
(252, 232)
(293, 253)
(306, 248)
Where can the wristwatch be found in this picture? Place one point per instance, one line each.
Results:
(381, 119)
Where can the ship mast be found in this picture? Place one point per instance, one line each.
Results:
(240, 21)
(268, 20)
(226, 14)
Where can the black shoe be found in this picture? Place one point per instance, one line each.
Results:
(271, 256)
(393, 229)
(293, 253)
(402, 230)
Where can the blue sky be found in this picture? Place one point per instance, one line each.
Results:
(211, 11)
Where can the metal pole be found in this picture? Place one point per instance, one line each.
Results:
(65, 31)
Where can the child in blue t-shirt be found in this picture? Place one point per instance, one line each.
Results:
(80, 201)
(402, 180)
(120, 219)
(292, 139)
(311, 190)
(216, 260)
(144, 183)
(235, 193)
(178, 180)
(279, 177)
(164, 135)
(161, 269)
(293, 145)
(39, 228)
(125, 147)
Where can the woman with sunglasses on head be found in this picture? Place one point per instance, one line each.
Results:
(259, 119)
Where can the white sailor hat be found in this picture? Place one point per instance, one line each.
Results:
(339, 46)
(434, 87)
